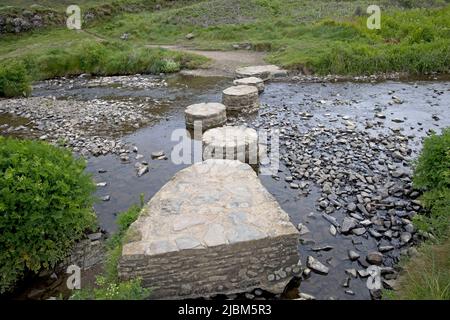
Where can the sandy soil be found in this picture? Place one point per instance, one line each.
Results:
(223, 63)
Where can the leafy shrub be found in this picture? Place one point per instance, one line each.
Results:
(45, 205)
(432, 175)
(14, 80)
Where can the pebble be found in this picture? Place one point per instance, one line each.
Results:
(375, 258)
(316, 265)
(353, 255)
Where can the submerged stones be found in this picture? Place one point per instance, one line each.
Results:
(317, 266)
(241, 98)
(251, 81)
(210, 115)
(264, 72)
(212, 229)
(232, 143)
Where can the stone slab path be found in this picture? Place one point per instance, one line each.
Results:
(212, 229)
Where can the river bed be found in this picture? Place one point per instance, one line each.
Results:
(410, 107)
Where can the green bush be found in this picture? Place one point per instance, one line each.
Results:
(45, 205)
(14, 80)
(432, 175)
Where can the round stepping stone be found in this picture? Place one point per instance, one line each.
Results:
(232, 143)
(241, 98)
(265, 72)
(251, 81)
(210, 114)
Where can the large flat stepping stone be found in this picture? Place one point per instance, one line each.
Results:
(232, 143)
(251, 81)
(241, 98)
(212, 229)
(209, 114)
(265, 72)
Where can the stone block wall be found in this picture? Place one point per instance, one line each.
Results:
(268, 264)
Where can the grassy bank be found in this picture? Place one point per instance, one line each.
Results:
(88, 56)
(427, 275)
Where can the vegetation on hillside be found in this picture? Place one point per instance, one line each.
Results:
(45, 206)
(319, 37)
(427, 275)
(316, 36)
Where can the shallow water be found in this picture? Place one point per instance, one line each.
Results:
(422, 100)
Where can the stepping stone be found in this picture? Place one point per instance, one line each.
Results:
(212, 229)
(232, 143)
(251, 81)
(264, 72)
(210, 115)
(241, 98)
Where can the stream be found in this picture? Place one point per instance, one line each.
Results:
(413, 107)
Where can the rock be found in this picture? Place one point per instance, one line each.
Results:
(375, 258)
(241, 99)
(359, 231)
(214, 208)
(385, 248)
(306, 296)
(349, 292)
(158, 154)
(141, 169)
(190, 36)
(333, 230)
(102, 184)
(209, 115)
(265, 72)
(322, 248)
(251, 81)
(231, 142)
(316, 265)
(95, 236)
(330, 219)
(351, 207)
(351, 272)
(348, 224)
(353, 255)
(303, 229)
(405, 237)
(376, 294)
(106, 198)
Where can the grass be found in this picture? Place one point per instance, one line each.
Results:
(427, 276)
(57, 54)
(108, 285)
(317, 36)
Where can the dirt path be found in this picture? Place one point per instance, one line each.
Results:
(223, 63)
